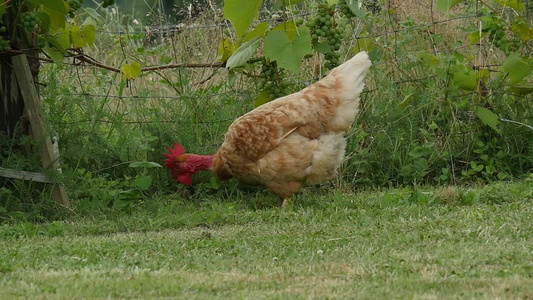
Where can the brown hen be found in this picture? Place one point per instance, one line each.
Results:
(286, 143)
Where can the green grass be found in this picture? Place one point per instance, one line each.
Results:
(408, 243)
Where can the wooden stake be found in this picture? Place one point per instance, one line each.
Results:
(35, 115)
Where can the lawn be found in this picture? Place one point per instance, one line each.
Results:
(424, 243)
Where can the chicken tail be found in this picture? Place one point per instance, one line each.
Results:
(351, 75)
(347, 82)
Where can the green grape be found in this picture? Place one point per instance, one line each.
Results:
(3, 29)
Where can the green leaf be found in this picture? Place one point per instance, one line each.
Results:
(332, 2)
(475, 36)
(287, 53)
(143, 182)
(57, 20)
(55, 5)
(243, 54)
(322, 47)
(282, 3)
(54, 53)
(262, 98)
(241, 13)
(225, 50)
(520, 90)
(446, 5)
(145, 164)
(3, 8)
(82, 37)
(131, 71)
(356, 8)
(464, 77)
(515, 4)
(488, 118)
(517, 68)
(259, 30)
(289, 28)
(429, 59)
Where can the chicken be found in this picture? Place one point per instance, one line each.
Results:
(288, 142)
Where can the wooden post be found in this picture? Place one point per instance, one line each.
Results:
(35, 115)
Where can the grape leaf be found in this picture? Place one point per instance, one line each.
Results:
(226, 49)
(332, 2)
(356, 8)
(281, 3)
(241, 13)
(57, 20)
(516, 68)
(322, 47)
(54, 53)
(289, 28)
(512, 4)
(521, 90)
(243, 53)
(130, 72)
(488, 118)
(475, 36)
(429, 59)
(3, 8)
(82, 37)
(259, 30)
(55, 5)
(464, 77)
(287, 53)
(446, 5)
(262, 98)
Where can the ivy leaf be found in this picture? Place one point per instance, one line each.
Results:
(488, 118)
(241, 13)
(515, 4)
(243, 54)
(446, 5)
(130, 72)
(287, 53)
(516, 68)
(55, 5)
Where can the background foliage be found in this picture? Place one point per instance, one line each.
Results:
(447, 101)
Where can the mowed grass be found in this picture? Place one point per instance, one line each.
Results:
(423, 243)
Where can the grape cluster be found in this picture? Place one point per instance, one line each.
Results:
(30, 20)
(75, 4)
(500, 38)
(325, 29)
(3, 44)
(346, 11)
(272, 80)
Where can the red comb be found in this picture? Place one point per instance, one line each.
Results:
(173, 153)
